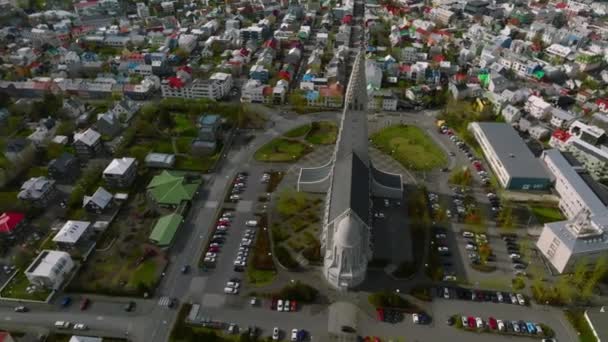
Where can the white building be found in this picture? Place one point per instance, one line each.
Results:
(441, 15)
(187, 42)
(559, 50)
(49, 269)
(253, 92)
(583, 202)
(71, 233)
(216, 87)
(537, 107)
(561, 118)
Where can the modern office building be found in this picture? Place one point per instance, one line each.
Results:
(511, 160)
(583, 201)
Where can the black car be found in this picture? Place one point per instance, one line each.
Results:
(508, 326)
(130, 306)
(253, 331)
(185, 269)
(523, 327)
(239, 269)
(450, 321)
(348, 329)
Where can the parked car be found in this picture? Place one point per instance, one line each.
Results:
(251, 223)
(501, 325)
(515, 325)
(80, 326)
(280, 305)
(468, 234)
(21, 308)
(479, 322)
(66, 301)
(471, 322)
(275, 334)
(294, 334)
(513, 298)
(492, 323)
(231, 290)
(130, 306)
(520, 299)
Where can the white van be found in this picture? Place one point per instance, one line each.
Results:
(62, 325)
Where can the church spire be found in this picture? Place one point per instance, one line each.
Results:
(356, 93)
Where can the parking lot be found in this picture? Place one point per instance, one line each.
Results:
(235, 231)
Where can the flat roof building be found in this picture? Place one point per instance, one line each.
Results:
(511, 160)
(49, 269)
(583, 234)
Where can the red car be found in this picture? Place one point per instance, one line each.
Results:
(478, 167)
(472, 323)
(294, 305)
(380, 314)
(223, 223)
(84, 304)
(492, 323)
(214, 249)
(273, 304)
(450, 132)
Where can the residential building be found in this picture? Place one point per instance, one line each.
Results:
(513, 164)
(597, 319)
(382, 100)
(537, 107)
(108, 124)
(560, 118)
(171, 188)
(38, 191)
(72, 233)
(253, 92)
(11, 225)
(121, 172)
(50, 269)
(511, 114)
(100, 201)
(64, 169)
(441, 15)
(19, 151)
(216, 87)
(73, 107)
(160, 160)
(87, 144)
(165, 228)
(583, 235)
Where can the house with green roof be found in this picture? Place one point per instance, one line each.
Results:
(172, 188)
(165, 228)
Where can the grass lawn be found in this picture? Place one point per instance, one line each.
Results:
(193, 163)
(16, 289)
(298, 131)
(8, 200)
(257, 277)
(578, 321)
(146, 273)
(546, 214)
(184, 126)
(183, 144)
(282, 150)
(37, 171)
(322, 133)
(410, 146)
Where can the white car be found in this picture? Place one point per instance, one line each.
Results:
(513, 299)
(520, 299)
(280, 305)
(233, 284)
(515, 325)
(442, 249)
(240, 263)
(470, 247)
(251, 223)
(499, 296)
(514, 256)
(222, 228)
(228, 214)
(235, 197)
(210, 255)
(479, 322)
(275, 334)
(449, 278)
(415, 319)
(286, 306)
(214, 245)
(501, 325)
(80, 326)
(468, 234)
(209, 260)
(294, 334)
(379, 215)
(231, 290)
(440, 236)
(242, 255)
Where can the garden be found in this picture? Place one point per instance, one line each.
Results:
(410, 146)
(296, 225)
(124, 263)
(20, 287)
(546, 213)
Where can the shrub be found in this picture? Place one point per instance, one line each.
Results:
(422, 293)
(301, 292)
(389, 300)
(405, 270)
(518, 283)
(285, 258)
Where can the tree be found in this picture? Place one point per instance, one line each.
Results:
(54, 150)
(505, 216)
(165, 120)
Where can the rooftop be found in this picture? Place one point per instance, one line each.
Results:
(71, 231)
(516, 157)
(119, 166)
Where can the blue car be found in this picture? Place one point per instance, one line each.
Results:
(66, 301)
(531, 328)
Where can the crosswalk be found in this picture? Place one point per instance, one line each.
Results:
(164, 301)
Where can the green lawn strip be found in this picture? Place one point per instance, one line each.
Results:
(193, 163)
(17, 289)
(410, 146)
(258, 277)
(545, 214)
(580, 324)
(322, 133)
(282, 150)
(297, 132)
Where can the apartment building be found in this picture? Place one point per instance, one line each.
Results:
(216, 87)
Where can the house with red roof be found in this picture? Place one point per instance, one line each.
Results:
(5, 336)
(11, 223)
(602, 105)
